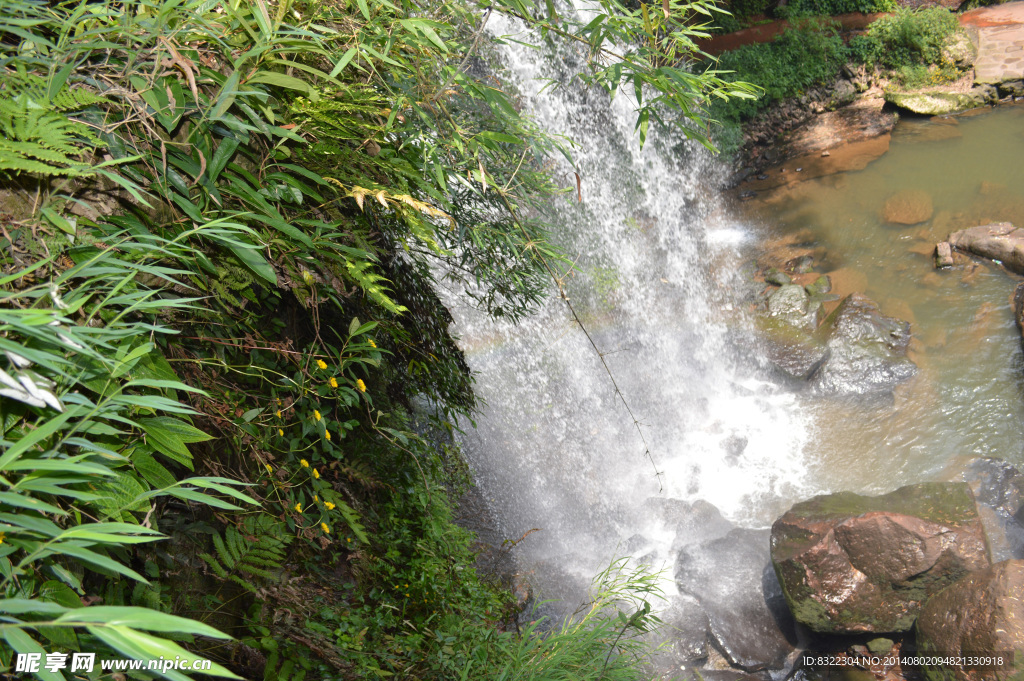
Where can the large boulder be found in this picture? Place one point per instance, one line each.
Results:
(867, 350)
(908, 207)
(793, 350)
(850, 563)
(935, 102)
(999, 241)
(733, 580)
(981, 615)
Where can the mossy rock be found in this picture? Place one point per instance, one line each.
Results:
(934, 102)
(849, 563)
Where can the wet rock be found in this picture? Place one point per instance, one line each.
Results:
(682, 637)
(985, 93)
(1018, 307)
(819, 286)
(691, 523)
(943, 255)
(908, 207)
(774, 276)
(733, 580)
(795, 351)
(998, 241)
(850, 563)
(1011, 88)
(867, 350)
(934, 102)
(792, 305)
(801, 265)
(981, 614)
(998, 488)
(728, 675)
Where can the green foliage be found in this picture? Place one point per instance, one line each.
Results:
(255, 550)
(786, 67)
(907, 38)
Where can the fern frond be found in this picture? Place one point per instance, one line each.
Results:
(252, 552)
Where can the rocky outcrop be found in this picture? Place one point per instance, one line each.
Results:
(867, 351)
(908, 207)
(982, 614)
(849, 563)
(937, 102)
(999, 241)
(733, 580)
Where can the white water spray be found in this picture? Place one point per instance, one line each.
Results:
(554, 448)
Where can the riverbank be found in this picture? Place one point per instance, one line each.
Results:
(855, 111)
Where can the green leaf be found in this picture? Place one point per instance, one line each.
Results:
(343, 62)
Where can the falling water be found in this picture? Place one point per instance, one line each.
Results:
(657, 262)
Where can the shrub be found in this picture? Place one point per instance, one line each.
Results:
(906, 38)
(797, 60)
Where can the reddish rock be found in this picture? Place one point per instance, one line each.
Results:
(980, 615)
(999, 241)
(849, 563)
(908, 207)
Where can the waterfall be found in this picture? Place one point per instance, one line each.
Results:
(657, 265)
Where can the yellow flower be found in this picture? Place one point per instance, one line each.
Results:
(316, 474)
(348, 539)
(316, 498)
(303, 463)
(280, 432)
(325, 528)
(370, 341)
(316, 414)
(298, 507)
(3, 535)
(360, 385)
(327, 434)
(329, 505)
(269, 469)
(322, 364)
(333, 382)
(278, 413)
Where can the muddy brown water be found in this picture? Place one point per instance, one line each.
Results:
(967, 399)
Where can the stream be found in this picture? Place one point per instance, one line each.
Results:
(662, 278)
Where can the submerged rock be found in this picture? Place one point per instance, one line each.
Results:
(982, 615)
(867, 350)
(908, 207)
(998, 241)
(733, 580)
(682, 637)
(850, 563)
(998, 489)
(943, 255)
